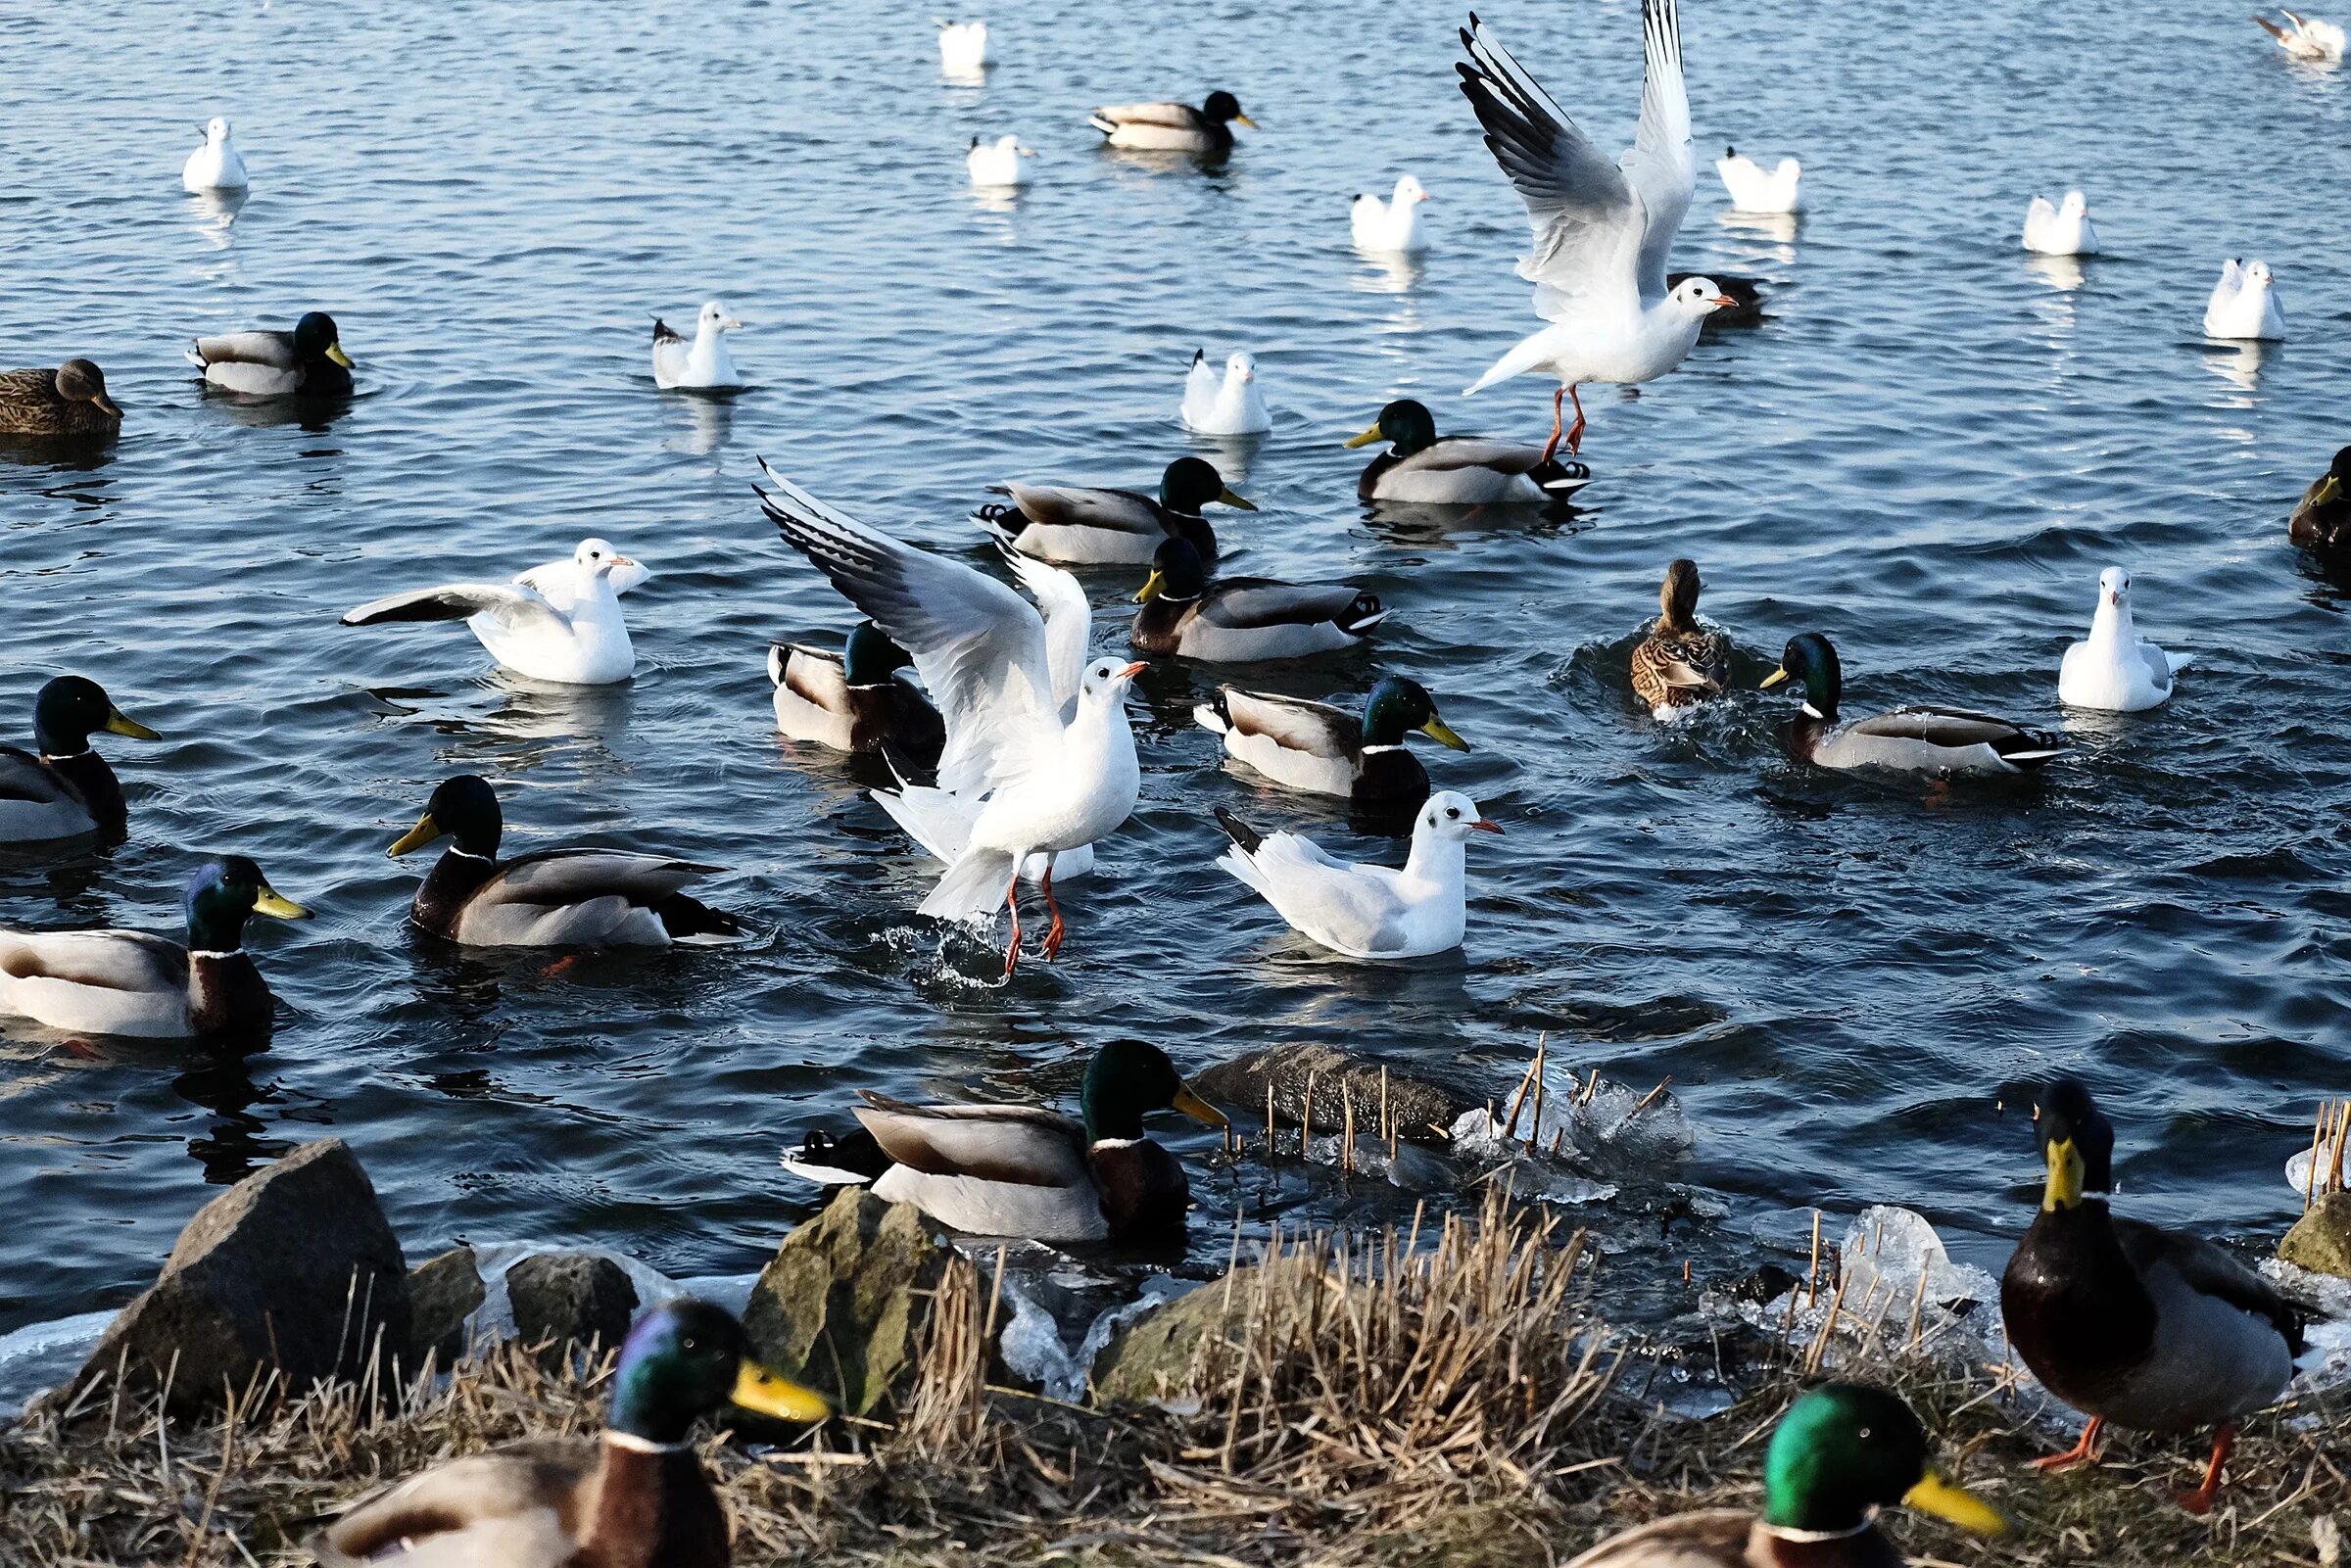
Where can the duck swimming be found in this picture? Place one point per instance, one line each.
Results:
(1171, 127)
(1243, 620)
(855, 700)
(131, 983)
(636, 1498)
(65, 790)
(70, 400)
(1679, 663)
(1021, 1170)
(1327, 750)
(2155, 1330)
(1110, 527)
(550, 897)
(1917, 739)
(2321, 519)
(1425, 468)
(309, 361)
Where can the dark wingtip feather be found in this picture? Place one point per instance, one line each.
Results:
(1239, 832)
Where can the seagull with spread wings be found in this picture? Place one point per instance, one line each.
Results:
(557, 622)
(1601, 229)
(1044, 786)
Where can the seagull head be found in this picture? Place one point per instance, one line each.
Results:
(215, 130)
(2114, 587)
(1700, 298)
(715, 319)
(1240, 366)
(1453, 816)
(1106, 679)
(596, 559)
(2257, 274)
(2077, 205)
(1409, 191)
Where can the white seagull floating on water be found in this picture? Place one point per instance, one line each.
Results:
(559, 621)
(1233, 407)
(997, 164)
(1392, 226)
(2052, 230)
(2243, 304)
(2305, 38)
(1042, 786)
(216, 166)
(963, 46)
(1359, 908)
(1601, 229)
(701, 362)
(2115, 669)
(1753, 189)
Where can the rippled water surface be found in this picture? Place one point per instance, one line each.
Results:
(1928, 452)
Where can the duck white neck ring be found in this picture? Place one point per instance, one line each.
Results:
(636, 1444)
(1369, 751)
(467, 854)
(1790, 1533)
(207, 952)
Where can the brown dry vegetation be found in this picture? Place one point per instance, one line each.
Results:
(1447, 1399)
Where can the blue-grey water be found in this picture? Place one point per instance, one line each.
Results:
(1928, 451)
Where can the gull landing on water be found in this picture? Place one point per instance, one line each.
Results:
(560, 622)
(1359, 908)
(2305, 38)
(700, 362)
(1602, 231)
(2115, 669)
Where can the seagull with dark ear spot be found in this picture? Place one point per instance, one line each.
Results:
(68, 402)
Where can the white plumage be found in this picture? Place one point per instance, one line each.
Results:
(2060, 230)
(2115, 669)
(963, 47)
(2305, 38)
(2244, 304)
(1359, 908)
(1754, 189)
(997, 165)
(1392, 226)
(216, 166)
(700, 362)
(1233, 406)
(560, 622)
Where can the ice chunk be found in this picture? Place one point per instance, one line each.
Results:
(1611, 1128)
(2297, 1170)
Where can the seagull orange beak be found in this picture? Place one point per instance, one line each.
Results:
(1133, 670)
(1483, 825)
(1723, 301)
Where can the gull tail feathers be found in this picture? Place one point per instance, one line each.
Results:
(975, 885)
(937, 819)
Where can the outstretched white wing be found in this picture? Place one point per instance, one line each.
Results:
(1659, 165)
(1069, 621)
(513, 605)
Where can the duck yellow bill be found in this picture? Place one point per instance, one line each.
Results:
(269, 901)
(1231, 498)
(117, 722)
(765, 1393)
(1366, 438)
(1438, 730)
(2328, 488)
(2066, 1170)
(424, 833)
(1199, 1110)
(334, 352)
(1947, 1500)
(1773, 678)
(1151, 586)
(1244, 120)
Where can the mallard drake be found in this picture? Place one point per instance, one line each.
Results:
(2155, 1330)
(1936, 741)
(856, 700)
(549, 898)
(131, 983)
(2322, 520)
(636, 1497)
(1170, 127)
(1021, 1170)
(309, 361)
(701, 362)
(1432, 471)
(1843, 1452)
(1329, 751)
(1241, 620)
(1110, 527)
(549, 624)
(67, 789)
(1679, 663)
(69, 400)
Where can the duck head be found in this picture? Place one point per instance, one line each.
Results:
(81, 381)
(1222, 107)
(1177, 574)
(714, 320)
(1844, 1450)
(686, 1359)
(2335, 483)
(70, 709)
(1127, 1082)
(2077, 1142)
(1452, 817)
(464, 809)
(1405, 424)
(1811, 658)
(316, 336)
(1677, 596)
(869, 657)
(222, 894)
(1698, 298)
(1399, 704)
(1191, 483)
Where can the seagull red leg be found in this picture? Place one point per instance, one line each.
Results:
(1575, 432)
(2082, 1452)
(1054, 935)
(2200, 1500)
(1012, 901)
(1550, 447)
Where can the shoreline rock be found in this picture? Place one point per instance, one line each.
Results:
(843, 1302)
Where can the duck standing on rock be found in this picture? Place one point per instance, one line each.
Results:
(636, 1497)
(2155, 1330)
(1021, 1170)
(67, 789)
(1843, 1452)
(1425, 468)
(67, 402)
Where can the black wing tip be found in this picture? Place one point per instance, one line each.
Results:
(1246, 838)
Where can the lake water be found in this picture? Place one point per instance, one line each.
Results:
(1928, 451)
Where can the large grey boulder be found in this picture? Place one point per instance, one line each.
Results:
(843, 1304)
(444, 1295)
(1161, 1354)
(293, 1268)
(564, 1299)
(2321, 1240)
